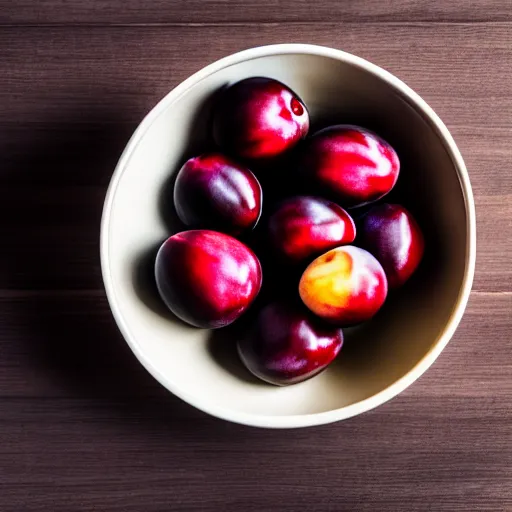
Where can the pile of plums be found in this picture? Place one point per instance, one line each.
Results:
(210, 275)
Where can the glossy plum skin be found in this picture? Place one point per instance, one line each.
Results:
(394, 237)
(214, 192)
(207, 279)
(345, 286)
(306, 226)
(288, 345)
(259, 118)
(351, 165)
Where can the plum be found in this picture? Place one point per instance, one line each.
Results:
(289, 345)
(306, 226)
(345, 286)
(206, 278)
(393, 236)
(259, 118)
(349, 164)
(214, 192)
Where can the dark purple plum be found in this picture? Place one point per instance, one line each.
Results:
(393, 236)
(214, 192)
(289, 345)
(259, 118)
(206, 278)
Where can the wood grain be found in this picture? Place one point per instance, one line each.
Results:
(83, 426)
(237, 11)
(127, 69)
(154, 455)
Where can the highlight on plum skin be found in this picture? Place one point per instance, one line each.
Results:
(349, 164)
(392, 235)
(214, 192)
(345, 286)
(207, 279)
(259, 118)
(288, 345)
(306, 226)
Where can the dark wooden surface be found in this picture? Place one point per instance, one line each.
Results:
(82, 426)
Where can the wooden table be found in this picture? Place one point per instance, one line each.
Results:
(82, 426)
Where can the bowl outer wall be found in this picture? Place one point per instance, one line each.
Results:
(303, 420)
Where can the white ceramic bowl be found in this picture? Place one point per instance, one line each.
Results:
(381, 358)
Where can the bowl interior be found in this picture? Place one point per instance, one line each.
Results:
(202, 366)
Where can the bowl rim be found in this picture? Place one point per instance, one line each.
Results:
(301, 420)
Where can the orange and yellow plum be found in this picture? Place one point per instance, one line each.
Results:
(345, 286)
